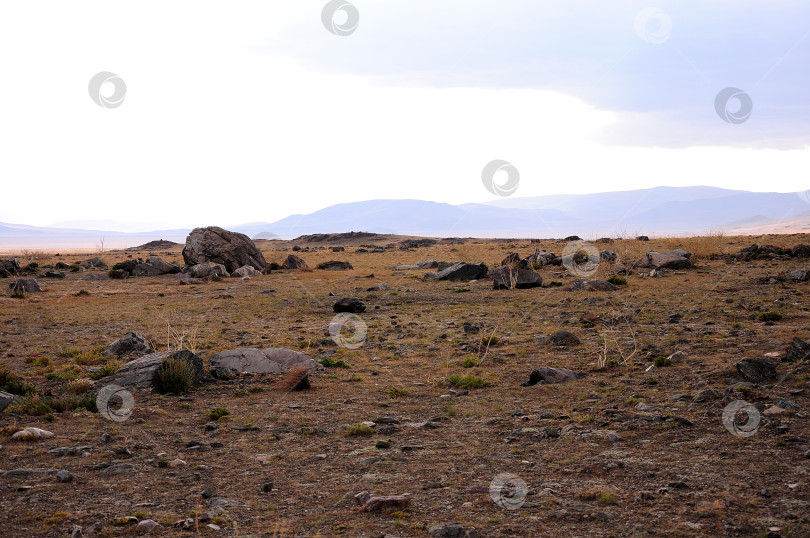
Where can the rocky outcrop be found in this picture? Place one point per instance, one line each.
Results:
(9, 267)
(508, 277)
(143, 372)
(294, 262)
(548, 376)
(154, 266)
(349, 304)
(257, 361)
(231, 249)
(25, 285)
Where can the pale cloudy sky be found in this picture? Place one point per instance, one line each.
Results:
(251, 111)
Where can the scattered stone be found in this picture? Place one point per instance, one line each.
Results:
(426, 264)
(460, 271)
(349, 304)
(671, 259)
(585, 284)
(148, 525)
(25, 285)
(208, 270)
(245, 271)
(382, 444)
(250, 360)
(267, 487)
(334, 265)
(386, 503)
(546, 376)
(756, 369)
(676, 357)
(802, 275)
(453, 530)
(382, 286)
(131, 343)
(706, 395)
(76, 532)
(231, 249)
(9, 267)
(563, 339)
(799, 350)
(787, 404)
(70, 450)
(295, 263)
(119, 468)
(608, 256)
(508, 277)
(32, 433)
(613, 437)
(64, 476)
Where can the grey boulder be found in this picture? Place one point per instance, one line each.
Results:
(460, 271)
(25, 285)
(257, 361)
(144, 372)
(757, 369)
(7, 399)
(508, 277)
(131, 343)
(547, 376)
(208, 270)
(231, 249)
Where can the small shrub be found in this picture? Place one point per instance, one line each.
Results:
(74, 268)
(770, 316)
(255, 388)
(395, 392)
(70, 374)
(661, 362)
(489, 340)
(607, 498)
(296, 379)
(359, 430)
(79, 386)
(175, 375)
(11, 383)
(216, 278)
(31, 404)
(466, 382)
(108, 369)
(651, 381)
(81, 293)
(273, 266)
(115, 274)
(469, 362)
(617, 280)
(329, 362)
(217, 413)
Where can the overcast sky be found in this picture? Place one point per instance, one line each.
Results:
(251, 111)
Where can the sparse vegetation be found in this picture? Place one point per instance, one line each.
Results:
(176, 375)
(217, 413)
(396, 392)
(356, 430)
(466, 382)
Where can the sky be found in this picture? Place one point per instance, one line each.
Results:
(227, 113)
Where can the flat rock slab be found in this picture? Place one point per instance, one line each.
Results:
(508, 277)
(547, 376)
(460, 272)
(143, 372)
(585, 284)
(334, 265)
(387, 503)
(31, 433)
(427, 264)
(670, 259)
(28, 471)
(257, 361)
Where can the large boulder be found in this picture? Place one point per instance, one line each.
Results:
(294, 262)
(154, 266)
(207, 270)
(25, 285)
(670, 259)
(460, 271)
(508, 277)
(9, 267)
(257, 361)
(231, 249)
(132, 343)
(143, 372)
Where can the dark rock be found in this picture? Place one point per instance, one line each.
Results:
(294, 262)
(787, 404)
(706, 395)
(7, 399)
(131, 343)
(800, 251)
(508, 277)
(802, 275)
(799, 350)
(512, 258)
(64, 476)
(349, 304)
(547, 376)
(382, 286)
(55, 274)
(460, 271)
(671, 259)
(608, 256)
(334, 265)
(143, 372)
(231, 249)
(25, 285)
(642, 238)
(9, 267)
(573, 238)
(267, 487)
(154, 266)
(257, 361)
(453, 530)
(592, 285)
(382, 444)
(757, 369)
(26, 472)
(563, 338)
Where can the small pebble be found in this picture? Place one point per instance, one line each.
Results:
(383, 444)
(64, 476)
(267, 487)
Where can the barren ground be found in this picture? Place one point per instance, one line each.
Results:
(701, 480)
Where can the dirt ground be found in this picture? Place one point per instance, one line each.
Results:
(593, 460)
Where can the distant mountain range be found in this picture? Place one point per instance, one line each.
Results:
(656, 211)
